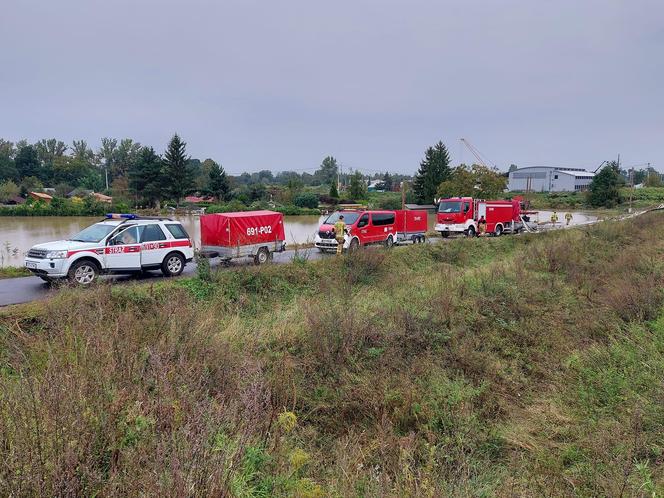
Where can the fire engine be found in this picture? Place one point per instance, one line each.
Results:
(461, 215)
(364, 227)
(119, 244)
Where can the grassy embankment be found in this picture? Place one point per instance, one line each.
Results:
(515, 366)
(13, 272)
(641, 198)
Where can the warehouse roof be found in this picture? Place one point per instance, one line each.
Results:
(577, 173)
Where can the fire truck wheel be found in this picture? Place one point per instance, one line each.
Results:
(499, 230)
(83, 272)
(389, 242)
(262, 256)
(172, 265)
(354, 245)
(471, 231)
(445, 234)
(422, 239)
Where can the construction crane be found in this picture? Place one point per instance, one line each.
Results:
(477, 154)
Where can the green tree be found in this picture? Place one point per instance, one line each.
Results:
(218, 184)
(653, 178)
(178, 178)
(31, 184)
(107, 154)
(334, 192)
(327, 173)
(7, 167)
(475, 181)
(434, 169)
(80, 150)
(71, 170)
(306, 200)
(146, 181)
(27, 162)
(8, 190)
(387, 182)
(358, 189)
(604, 190)
(125, 156)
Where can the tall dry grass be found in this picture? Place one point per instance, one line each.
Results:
(480, 367)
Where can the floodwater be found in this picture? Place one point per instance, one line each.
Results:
(20, 233)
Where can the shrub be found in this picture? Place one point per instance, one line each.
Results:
(306, 200)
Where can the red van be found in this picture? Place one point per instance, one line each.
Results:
(365, 227)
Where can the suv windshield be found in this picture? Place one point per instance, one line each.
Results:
(449, 207)
(349, 217)
(93, 233)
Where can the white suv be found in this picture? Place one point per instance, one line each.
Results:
(120, 244)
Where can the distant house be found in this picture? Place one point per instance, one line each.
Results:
(16, 200)
(102, 198)
(192, 199)
(41, 196)
(376, 186)
(80, 192)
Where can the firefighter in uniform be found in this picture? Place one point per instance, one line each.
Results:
(554, 218)
(339, 230)
(481, 227)
(568, 217)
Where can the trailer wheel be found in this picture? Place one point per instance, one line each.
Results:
(471, 231)
(445, 234)
(262, 256)
(498, 231)
(389, 242)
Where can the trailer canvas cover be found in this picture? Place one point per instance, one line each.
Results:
(244, 228)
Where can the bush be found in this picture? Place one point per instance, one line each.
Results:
(306, 200)
(389, 203)
(58, 207)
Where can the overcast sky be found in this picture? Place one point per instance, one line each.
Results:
(281, 84)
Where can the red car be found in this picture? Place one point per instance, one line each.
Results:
(364, 227)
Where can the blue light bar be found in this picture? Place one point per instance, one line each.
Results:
(120, 216)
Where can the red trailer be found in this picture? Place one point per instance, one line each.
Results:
(255, 234)
(411, 225)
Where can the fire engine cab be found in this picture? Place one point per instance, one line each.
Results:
(461, 215)
(119, 244)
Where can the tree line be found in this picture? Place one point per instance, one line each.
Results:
(139, 175)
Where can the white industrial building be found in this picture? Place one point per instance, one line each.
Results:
(549, 179)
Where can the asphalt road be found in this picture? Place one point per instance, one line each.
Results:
(26, 289)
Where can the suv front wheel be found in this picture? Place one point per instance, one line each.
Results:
(173, 265)
(83, 272)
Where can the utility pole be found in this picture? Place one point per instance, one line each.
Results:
(403, 194)
(631, 190)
